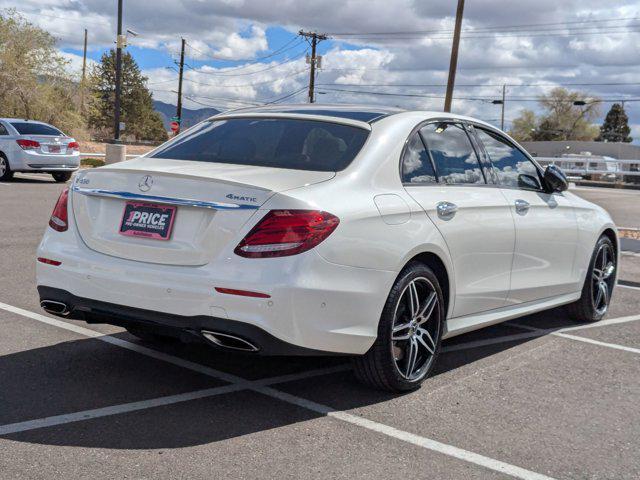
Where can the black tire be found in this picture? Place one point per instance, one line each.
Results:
(61, 177)
(5, 170)
(381, 366)
(585, 309)
(148, 335)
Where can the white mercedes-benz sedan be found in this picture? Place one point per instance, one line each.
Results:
(36, 147)
(296, 230)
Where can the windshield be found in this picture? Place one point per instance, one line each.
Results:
(31, 128)
(269, 142)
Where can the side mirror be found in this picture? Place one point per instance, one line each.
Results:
(555, 179)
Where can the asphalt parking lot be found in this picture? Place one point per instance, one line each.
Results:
(538, 397)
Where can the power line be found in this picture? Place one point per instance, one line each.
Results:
(480, 29)
(482, 99)
(573, 84)
(289, 76)
(278, 100)
(226, 74)
(610, 31)
(280, 50)
(69, 19)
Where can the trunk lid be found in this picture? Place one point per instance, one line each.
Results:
(50, 144)
(213, 201)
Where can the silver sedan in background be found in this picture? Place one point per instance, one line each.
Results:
(31, 146)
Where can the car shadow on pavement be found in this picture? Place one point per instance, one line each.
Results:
(42, 178)
(87, 374)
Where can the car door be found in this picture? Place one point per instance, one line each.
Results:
(546, 227)
(442, 172)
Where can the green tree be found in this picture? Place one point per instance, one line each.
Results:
(524, 127)
(615, 127)
(136, 104)
(561, 118)
(33, 76)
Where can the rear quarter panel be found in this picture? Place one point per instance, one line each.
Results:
(592, 221)
(381, 226)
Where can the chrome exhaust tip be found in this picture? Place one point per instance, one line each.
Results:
(57, 308)
(230, 342)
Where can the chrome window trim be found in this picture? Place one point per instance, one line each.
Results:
(186, 202)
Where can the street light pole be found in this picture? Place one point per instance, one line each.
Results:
(504, 88)
(453, 64)
(119, 45)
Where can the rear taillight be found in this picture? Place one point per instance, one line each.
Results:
(28, 144)
(59, 220)
(73, 147)
(287, 232)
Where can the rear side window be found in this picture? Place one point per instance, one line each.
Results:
(513, 167)
(269, 142)
(452, 153)
(416, 164)
(31, 128)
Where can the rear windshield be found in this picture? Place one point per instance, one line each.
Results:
(30, 128)
(269, 142)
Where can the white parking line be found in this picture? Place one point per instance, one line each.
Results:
(116, 409)
(628, 286)
(159, 401)
(540, 332)
(560, 332)
(408, 437)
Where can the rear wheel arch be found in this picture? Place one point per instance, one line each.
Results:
(435, 263)
(611, 234)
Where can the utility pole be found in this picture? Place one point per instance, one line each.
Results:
(120, 41)
(84, 72)
(315, 38)
(84, 57)
(453, 64)
(179, 107)
(504, 89)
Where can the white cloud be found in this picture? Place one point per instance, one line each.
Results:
(75, 63)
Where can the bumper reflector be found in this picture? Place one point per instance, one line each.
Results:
(242, 293)
(48, 261)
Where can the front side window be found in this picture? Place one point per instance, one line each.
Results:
(31, 128)
(513, 167)
(269, 142)
(452, 153)
(3, 130)
(416, 164)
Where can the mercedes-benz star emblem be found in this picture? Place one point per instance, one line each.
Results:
(145, 183)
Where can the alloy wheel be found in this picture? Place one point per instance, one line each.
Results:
(602, 278)
(3, 166)
(416, 328)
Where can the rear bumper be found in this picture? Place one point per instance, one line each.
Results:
(187, 329)
(34, 162)
(314, 304)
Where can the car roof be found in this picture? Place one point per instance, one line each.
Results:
(22, 120)
(362, 113)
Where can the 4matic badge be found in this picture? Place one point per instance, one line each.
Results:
(241, 198)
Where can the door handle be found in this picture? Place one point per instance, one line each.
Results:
(522, 206)
(446, 209)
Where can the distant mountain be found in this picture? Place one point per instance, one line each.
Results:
(189, 117)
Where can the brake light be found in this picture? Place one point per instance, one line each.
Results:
(287, 232)
(59, 220)
(73, 147)
(28, 144)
